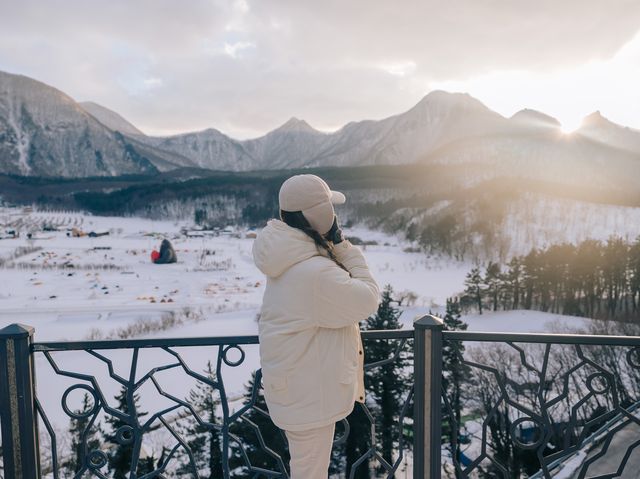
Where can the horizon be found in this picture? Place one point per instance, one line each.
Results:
(245, 68)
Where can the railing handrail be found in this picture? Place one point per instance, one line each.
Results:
(186, 342)
(543, 338)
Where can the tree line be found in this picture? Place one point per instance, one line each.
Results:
(596, 279)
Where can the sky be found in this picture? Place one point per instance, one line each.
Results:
(245, 67)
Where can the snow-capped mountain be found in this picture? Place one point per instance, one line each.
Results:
(598, 128)
(206, 149)
(528, 118)
(44, 132)
(443, 128)
(437, 119)
(291, 145)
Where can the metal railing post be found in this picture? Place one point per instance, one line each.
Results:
(18, 415)
(427, 412)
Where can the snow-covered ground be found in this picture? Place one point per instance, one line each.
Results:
(71, 286)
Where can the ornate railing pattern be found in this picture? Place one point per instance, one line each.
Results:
(135, 428)
(536, 405)
(506, 405)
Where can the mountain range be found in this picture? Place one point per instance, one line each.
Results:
(44, 132)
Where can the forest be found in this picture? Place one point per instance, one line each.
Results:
(595, 279)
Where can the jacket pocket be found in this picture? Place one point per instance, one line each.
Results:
(276, 389)
(348, 373)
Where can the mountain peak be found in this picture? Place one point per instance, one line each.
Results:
(442, 96)
(595, 119)
(296, 125)
(597, 127)
(535, 117)
(440, 99)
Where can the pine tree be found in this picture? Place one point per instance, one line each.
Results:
(514, 281)
(634, 273)
(454, 373)
(531, 275)
(273, 437)
(203, 439)
(357, 444)
(473, 288)
(121, 455)
(83, 439)
(492, 281)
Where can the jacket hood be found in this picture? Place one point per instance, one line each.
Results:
(279, 246)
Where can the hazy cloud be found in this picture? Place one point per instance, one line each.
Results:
(245, 67)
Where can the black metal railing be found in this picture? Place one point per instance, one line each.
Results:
(479, 405)
(35, 446)
(541, 405)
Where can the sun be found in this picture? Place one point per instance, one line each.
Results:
(567, 129)
(570, 124)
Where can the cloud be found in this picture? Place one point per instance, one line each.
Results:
(399, 69)
(235, 49)
(245, 66)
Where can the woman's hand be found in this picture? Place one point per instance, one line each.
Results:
(335, 233)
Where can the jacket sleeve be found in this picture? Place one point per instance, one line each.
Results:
(340, 299)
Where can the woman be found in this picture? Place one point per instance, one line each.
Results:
(318, 288)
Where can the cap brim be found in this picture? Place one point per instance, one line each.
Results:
(337, 198)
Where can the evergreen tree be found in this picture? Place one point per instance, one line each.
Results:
(593, 279)
(531, 278)
(83, 438)
(616, 253)
(203, 439)
(513, 281)
(273, 437)
(454, 374)
(121, 455)
(634, 276)
(473, 288)
(200, 216)
(492, 282)
(357, 444)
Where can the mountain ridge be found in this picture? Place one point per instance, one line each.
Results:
(110, 118)
(45, 132)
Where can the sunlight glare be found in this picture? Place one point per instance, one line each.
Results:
(608, 85)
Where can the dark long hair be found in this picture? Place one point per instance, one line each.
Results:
(296, 219)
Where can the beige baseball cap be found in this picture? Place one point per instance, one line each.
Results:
(311, 195)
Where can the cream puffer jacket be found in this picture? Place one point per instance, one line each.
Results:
(310, 348)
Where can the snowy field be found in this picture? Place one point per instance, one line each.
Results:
(73, 288)
(82, 287)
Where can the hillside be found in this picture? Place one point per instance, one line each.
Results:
(44, 132)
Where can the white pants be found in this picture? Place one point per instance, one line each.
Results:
(310, 452)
